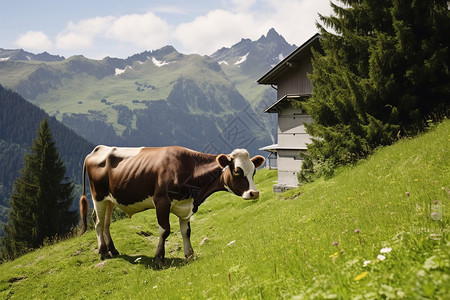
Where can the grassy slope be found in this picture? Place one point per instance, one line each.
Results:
(279, 246)
(121, 89)
(247, 87)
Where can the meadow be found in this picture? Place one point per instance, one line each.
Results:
(375, 230)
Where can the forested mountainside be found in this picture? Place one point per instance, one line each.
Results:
(19, 122)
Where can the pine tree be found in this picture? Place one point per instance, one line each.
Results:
(382, 72)
(41, 199)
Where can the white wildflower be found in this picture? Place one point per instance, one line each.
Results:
(366, 262)
(381, 257)
(386, 250)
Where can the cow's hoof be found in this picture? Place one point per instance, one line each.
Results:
(160, 262)
(105, 256)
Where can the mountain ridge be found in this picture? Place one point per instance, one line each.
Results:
(20, 54)
(111, 94)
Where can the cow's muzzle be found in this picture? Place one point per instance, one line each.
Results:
(249, 195)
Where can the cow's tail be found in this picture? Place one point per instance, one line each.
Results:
(84, 203)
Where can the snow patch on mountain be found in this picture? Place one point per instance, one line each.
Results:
(242, 59)
(121, 71)
(159, 63)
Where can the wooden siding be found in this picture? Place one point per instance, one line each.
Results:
(289, 164)
(297, 81)
(291, 131)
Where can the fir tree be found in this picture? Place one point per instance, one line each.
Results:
(41, 199)
(382, 72)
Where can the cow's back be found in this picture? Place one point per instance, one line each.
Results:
(131, 175)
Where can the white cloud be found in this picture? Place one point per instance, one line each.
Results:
(78, 36)
(294, 19)
(34, 41)
(140, 30)
(146, 30)
(73, 41)
(217, 29)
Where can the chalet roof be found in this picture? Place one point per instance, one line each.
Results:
(283, 66)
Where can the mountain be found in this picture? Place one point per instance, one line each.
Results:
(154, 98)
(19, 122)
(19, 54)
(159, 97)
(254, 58)
(248, 60)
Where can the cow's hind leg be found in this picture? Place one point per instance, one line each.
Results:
(162, 213)
(106, 234)
(100, 211)
(185, 228)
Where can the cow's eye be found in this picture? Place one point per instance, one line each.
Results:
(237, 172)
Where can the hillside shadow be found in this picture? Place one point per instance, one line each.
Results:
(149, 262)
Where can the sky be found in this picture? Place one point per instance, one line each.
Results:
(121, 28)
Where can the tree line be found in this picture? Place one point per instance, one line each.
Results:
(41, 199)
(382, 74)
(19, 122)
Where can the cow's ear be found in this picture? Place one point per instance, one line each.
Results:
(223, 160)
(258, 160)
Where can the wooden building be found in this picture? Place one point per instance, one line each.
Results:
(290, 79)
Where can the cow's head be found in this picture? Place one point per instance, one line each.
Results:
(238, 172)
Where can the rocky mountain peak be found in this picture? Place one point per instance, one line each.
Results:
(255, 57)
(20, 54)
(272, 37)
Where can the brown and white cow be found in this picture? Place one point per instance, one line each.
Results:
(170, 179)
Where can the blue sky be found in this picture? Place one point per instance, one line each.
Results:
(99, 28)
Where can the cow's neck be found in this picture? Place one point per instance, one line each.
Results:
(208, 176)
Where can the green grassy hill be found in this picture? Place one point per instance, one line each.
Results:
(375, 230)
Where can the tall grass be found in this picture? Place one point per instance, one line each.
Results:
(375, 230)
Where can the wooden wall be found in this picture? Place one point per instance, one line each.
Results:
(297, 81)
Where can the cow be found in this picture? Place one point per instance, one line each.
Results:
(169, 179)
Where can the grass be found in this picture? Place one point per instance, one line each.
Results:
(300, 245)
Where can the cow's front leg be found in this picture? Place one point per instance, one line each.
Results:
(185, 228)
(162, 213)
